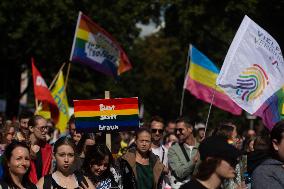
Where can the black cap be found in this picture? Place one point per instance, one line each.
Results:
(217, 146)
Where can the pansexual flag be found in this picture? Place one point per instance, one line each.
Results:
(96, 48)
(200, 81)
(106, 115)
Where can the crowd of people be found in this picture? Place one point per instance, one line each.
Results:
(159, 155)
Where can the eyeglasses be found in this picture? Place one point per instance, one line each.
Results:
(43, 128)
(178, 130)
(159, 130)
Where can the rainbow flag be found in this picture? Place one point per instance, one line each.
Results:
(201, 79)
(272, 110)
(106, 115)
(96, 48)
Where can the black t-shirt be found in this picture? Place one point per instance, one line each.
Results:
(193, 184)
(28, 185)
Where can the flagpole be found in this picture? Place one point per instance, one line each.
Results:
(67, 76)
(184, 81)
(36, 105)
(56, 76)
(51, 85)
(209, 111)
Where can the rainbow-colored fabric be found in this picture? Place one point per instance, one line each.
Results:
(108, 115)
(201, 79)
(96, 48)
(272, 110)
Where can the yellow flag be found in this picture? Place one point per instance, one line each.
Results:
(60, 97)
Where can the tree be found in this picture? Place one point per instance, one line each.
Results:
(210, 25)
(44, 29)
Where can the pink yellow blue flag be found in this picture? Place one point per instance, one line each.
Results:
(201, 79)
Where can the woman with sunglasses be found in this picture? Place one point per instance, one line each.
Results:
(218, 161)
(16, 167)
(64, 177)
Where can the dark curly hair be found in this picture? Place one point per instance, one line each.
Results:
(95, 154)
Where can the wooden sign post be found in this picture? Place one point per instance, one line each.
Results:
(108, 136)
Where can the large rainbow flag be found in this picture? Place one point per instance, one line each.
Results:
(201, 79)
(96, 48)
(107, 115)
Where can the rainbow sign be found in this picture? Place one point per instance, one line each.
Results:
(106, 115)
(251, 83)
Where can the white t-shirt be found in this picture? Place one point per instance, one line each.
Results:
(162, 152)
(189, 147)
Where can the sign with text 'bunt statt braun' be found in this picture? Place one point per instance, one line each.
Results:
(106, 115)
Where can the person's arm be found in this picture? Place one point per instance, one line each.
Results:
(180, 167)
(39, 184)
(90, 184)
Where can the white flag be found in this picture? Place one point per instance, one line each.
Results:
(253, 68)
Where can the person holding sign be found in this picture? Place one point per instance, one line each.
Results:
(140, 168)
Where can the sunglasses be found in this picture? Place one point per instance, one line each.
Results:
(43, 128)
(178, 130)
(159, 130)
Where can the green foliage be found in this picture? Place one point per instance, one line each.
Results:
(45, 29)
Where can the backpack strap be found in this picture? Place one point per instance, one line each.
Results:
(81, 179)
(184, 152)
(47, 182)
(163, 156)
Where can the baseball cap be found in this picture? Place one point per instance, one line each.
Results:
(217, 146)
(199, 126)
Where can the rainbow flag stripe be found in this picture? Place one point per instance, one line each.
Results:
(107, 115)
(201, 79)
(272, 110)
(96, 48)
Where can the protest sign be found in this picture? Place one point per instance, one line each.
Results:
(106, 115)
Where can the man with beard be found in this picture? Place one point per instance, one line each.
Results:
(157, 130)
(24, 133)
(183, 156)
